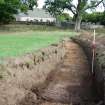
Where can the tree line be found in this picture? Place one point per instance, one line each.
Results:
(97, 17)
(56, 7)
(78, 8)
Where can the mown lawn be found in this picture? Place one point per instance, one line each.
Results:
(16, 44)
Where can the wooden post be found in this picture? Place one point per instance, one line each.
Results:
(93, 51)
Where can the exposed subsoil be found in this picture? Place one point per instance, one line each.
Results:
(70, 83)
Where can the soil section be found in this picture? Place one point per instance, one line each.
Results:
(85, 41)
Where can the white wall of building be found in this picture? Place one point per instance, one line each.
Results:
(35, 19)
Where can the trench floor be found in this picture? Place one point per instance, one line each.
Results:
(70, 83)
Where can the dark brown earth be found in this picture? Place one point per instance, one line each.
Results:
(70, 83)
(99, 64)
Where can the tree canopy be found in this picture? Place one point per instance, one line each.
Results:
(97, 17)
(56, 7)
(64, 17)
(10, 7)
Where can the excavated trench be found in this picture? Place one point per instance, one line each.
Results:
(70, 83)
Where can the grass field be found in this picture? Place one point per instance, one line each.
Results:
(19, 43)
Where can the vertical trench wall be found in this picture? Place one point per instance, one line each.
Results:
(99, 66)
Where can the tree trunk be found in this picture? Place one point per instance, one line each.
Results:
(78, 23)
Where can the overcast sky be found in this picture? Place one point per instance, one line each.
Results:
(41, 3)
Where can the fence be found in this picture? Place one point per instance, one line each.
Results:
(84, 25)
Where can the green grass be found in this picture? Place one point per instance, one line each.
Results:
(100, 31)
(16, 44)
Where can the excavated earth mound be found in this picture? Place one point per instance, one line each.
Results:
(18, 75)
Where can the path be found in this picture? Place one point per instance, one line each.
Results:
(72, 81)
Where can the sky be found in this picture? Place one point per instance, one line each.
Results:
(41, 3)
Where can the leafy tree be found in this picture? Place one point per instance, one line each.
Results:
(10, 7)
(64, 17)
(97, 17)
(56, 7)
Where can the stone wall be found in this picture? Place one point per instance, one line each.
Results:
(19, 74)
(85, 41)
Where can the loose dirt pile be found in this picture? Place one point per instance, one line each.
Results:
(18, 75)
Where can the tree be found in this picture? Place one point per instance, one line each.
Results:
(64, 17)
(10, 7)
(97, 17)
(56, 7)
(103, 5)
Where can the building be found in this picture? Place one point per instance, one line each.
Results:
(36, 14)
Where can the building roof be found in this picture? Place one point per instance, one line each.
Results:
(36, 12)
